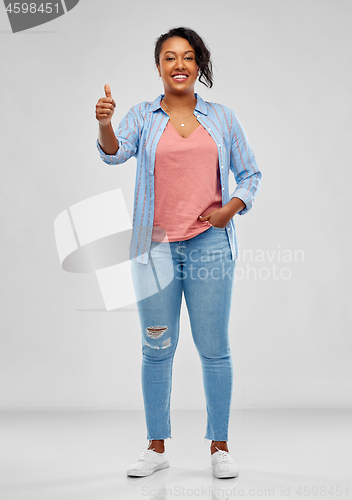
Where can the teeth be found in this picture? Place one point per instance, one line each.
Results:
(179, 77)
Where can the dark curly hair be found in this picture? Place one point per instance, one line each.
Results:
(202, 57)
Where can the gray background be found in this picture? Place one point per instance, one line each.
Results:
(284, 67)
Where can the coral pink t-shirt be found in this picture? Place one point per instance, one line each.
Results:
(186, 184)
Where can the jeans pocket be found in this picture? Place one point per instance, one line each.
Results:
(219, 228)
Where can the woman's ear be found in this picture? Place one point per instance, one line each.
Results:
(158, 68)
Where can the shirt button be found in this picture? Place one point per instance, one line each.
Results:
(219, 145)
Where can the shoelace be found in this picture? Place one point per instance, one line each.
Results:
(146, 455)
(224, 455)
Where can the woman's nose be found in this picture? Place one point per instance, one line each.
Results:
(179, 64)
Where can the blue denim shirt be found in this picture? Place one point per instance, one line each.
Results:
(138, 134)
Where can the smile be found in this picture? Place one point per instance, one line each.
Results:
(180, 77)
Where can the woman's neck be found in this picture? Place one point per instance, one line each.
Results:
(180, 102)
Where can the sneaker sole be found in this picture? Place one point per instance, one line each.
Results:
(142, 473)
(224, 475)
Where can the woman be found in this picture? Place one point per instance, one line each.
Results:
(183, 238)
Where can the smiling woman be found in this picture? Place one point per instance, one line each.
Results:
(181, 56)
(196, 45)
(185, 148)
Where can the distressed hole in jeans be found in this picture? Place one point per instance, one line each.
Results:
(165, 344)
(155, 332)
(152, 346)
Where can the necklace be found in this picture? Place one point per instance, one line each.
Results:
(174, 109)
(178, 117)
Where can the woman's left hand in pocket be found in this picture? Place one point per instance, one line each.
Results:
(219, 217)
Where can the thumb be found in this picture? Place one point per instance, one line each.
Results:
(204, 218)
(107, 90)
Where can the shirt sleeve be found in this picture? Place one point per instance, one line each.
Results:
(128, 134)
(244, 167)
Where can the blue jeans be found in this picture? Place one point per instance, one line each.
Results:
(201, 268)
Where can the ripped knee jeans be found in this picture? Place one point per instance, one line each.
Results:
(202, 269)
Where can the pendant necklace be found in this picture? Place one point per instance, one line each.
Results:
(178, 117)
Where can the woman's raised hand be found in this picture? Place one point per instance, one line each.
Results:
(105, 107)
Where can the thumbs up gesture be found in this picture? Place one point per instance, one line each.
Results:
(105, 107)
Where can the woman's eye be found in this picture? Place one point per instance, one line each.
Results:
(172, 58)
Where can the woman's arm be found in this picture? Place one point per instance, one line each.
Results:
(116, 147)
(104, 110)
(220, 217)
(107, 139)
(234, 206)
(247, 175)
(244, 167)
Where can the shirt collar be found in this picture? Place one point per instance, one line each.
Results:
(200, 106)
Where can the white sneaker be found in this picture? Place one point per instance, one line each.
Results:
(148, 462)
(223, 464)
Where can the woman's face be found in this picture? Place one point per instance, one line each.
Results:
(177, 65)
